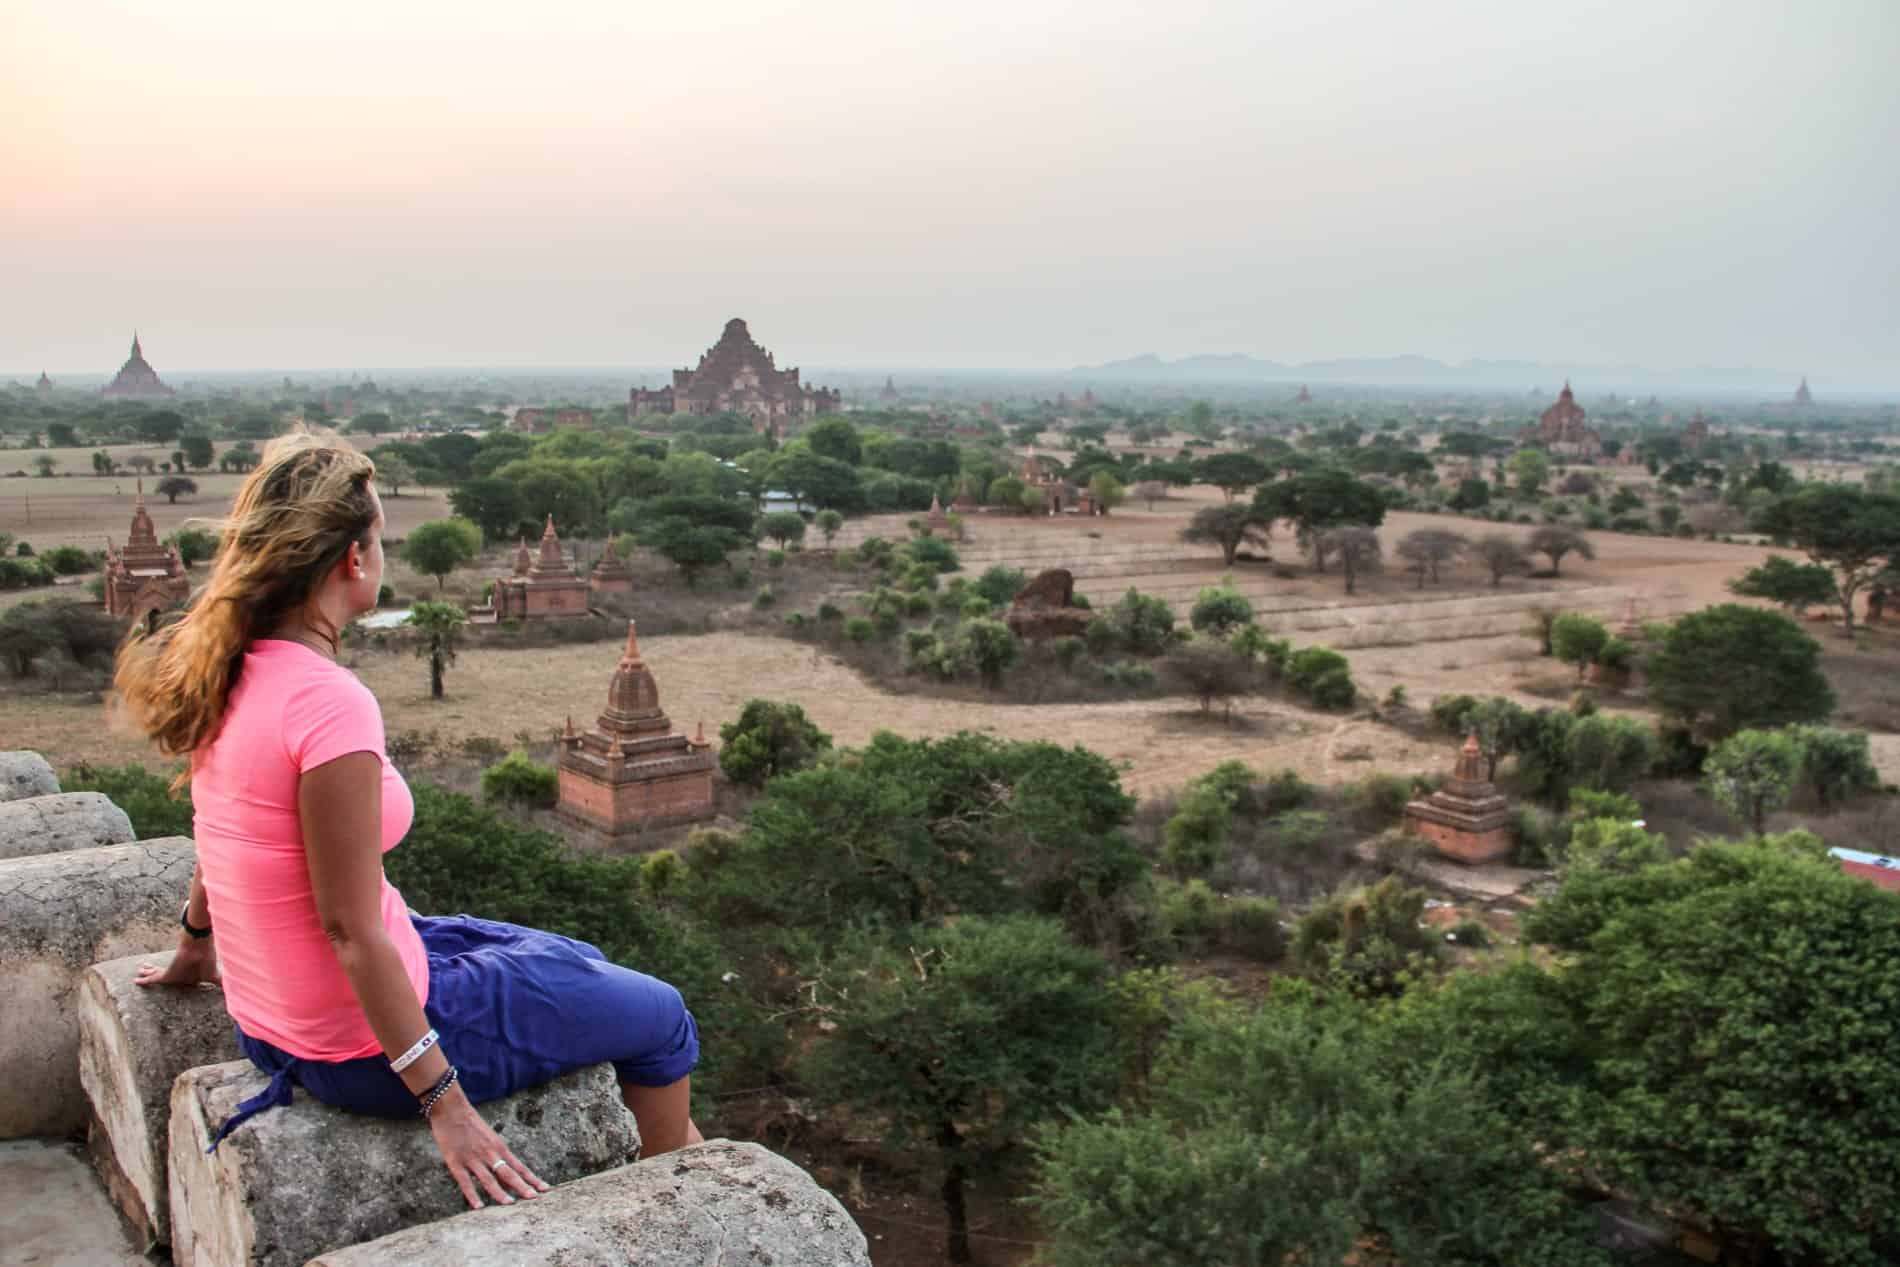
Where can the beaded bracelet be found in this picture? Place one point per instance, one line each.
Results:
(440, 1089)
(414, 1054)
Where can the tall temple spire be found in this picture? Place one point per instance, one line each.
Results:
(136, 353)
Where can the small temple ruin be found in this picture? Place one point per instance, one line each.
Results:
(137, 379)
(1563, 430)
(1465, 819)
(145, 577)
(736, 375)
(1696, 434)
(611, 575)
(544, 585)
(632, 771)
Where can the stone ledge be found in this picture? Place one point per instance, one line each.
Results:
(133, 1044)
(301, 1180)
(717, 1204)
(24, 774)
(61, 821)
(60, 914)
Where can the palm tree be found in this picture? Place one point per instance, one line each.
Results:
(440, 623)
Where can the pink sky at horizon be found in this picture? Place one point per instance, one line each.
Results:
(1034, 184)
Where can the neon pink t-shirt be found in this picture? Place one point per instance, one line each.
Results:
(292, 710)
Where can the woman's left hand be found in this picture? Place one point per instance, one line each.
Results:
(193, 963)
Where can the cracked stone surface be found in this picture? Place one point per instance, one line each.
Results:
(133, 1044)
(61, 821)
(24, 774)
(297, 1181)
(60, 914)
(718, 1204)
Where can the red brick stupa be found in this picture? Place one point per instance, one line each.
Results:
(145, 577)
(1465, 819)
(136, 378)
(543, 587)
(611, 575)
(632, 771)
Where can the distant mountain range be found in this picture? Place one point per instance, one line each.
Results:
(1422, 371)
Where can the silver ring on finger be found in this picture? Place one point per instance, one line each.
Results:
(498, 1165)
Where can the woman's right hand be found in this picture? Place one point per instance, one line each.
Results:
(471, 1150)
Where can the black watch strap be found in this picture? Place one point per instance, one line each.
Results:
(184, 922)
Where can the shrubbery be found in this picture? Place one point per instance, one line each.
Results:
(521, 781)
(1322, 677)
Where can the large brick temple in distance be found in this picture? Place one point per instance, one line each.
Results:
(137, 379)
(1564, 430)
(632, 771)
(736, 375)
(145, 577)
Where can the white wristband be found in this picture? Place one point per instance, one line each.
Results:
(414, 1054)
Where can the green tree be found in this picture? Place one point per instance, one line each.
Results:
(161, 426)
(440, 546)
(394, 472)
(46, 464)
(1211, 670)
(784, 527)
(197, 449)
(1319, 501)
(1471, 494)
(1107, 491)
(1730, 667)
(1849, 530)
(172, 487)
(146, 797)
(62, 435)
(1308, 1130)
(102, 463)
(694, 532)
(991, 646)
(518, 779)
(1531, 469)
(1232, 473)
(835, 438)
(1752, 773)
(811, 477)
(1578, 639)
(828, 521)
(1720, 1043)
(1220, 610)
(1230, 527)
(491, 504)
(1836, 765)
(977, 1035)
(1554, 543)
(373, 423)
(440, 625)
(1796, 586)
(768, 739)
(1357, 549)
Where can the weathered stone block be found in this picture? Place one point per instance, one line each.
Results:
(716, 1203)
(61, 821)
(24, 774)
(302, 1180)
(133, 1044)
(61, 913)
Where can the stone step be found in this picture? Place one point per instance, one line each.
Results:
(305, 1179)
(60, 913)
(24, 774)
(716, 1203)
(60, 821)
(133, 1044)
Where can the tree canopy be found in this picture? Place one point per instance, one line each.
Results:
(1728, 667)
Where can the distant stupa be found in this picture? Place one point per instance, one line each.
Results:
(136, 378)
(1803, 398)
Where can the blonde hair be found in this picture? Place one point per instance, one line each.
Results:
(294, 520)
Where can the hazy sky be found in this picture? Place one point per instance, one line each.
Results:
(1019, 184)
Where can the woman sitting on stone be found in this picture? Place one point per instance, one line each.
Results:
(333, 984)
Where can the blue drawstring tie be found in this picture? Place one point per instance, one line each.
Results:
(274, 1096)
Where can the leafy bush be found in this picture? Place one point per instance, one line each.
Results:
(767, 739)
(1322, 676)
(19, 574)
(858, 629)
(1138, 624)
(1220, 610)
(521, 781)
(1284, 791)
(1000, 584)
(1578, 639)
(69, 560)
(1129, 673)
(934, 553)
(1367, 939)
(146, 797)
(1729, 667)
(1753, 772)
(1836, 765)
(1195, 838)
(829, 611)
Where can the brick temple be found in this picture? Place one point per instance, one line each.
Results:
(736, 375)
(611, 575)
(1465, 819)
(1564, 429)
(137, 379)
(544, 586)
(145, 577)
(632, 771)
